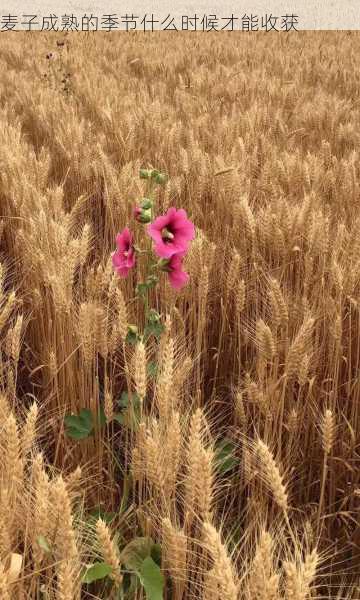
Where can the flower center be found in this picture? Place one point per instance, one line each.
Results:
(167, 235)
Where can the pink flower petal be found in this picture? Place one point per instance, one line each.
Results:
(123, 259)
(124, 240)
(170, 249)
(154, 232)
(178, 279)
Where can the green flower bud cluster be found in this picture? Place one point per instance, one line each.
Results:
(153, 174)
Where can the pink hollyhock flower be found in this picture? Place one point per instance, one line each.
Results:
(178, 278)
(171, 233)
(123, 259)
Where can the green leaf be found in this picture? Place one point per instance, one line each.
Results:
(225, 456)
(135, 553)
(125, 401)
(102, 417)
(129, 418)
(43, 543)
(130, 415)
(79, 427)
(99, 513)
(120, 418)
(96, 571)
(127, 487)
(152, 369)
(155, 329)
(153, 316)
(152, 579)
(132, 335)
(156, 554)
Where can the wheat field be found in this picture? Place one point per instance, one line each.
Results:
(219, 457)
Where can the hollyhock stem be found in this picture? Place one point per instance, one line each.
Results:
(151, 189)
(140, 251)
(150, 193)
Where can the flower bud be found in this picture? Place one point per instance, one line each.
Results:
(143, 212)
(146, 203)
(161, 178)
(145, 173)
(142, 215)
(146, 216)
